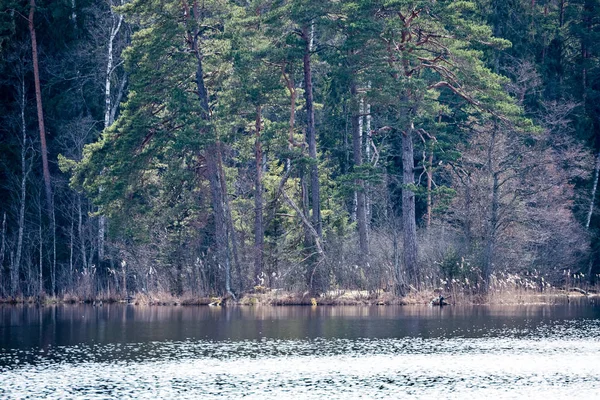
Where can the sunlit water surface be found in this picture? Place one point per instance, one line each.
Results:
(300, 352)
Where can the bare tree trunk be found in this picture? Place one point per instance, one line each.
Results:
(313, 233)
(396, 251)
(92, 251)
(311, 133)
(3, 245)
(368, 142)
(490, 245)
(82, 246)
(409, 225)
(53, 272)
(467, 227)
(292, 89)
(400, 281)
(71, 249)
(38, 98)
(41, 252)
(594, 189)
(429, 172)
(44, 147)
(74, 14)
(490, 240)
(230, 229)
(361, 217)
(291, 143)
(101, 234)
(305, 206)
(591, 213)
(258, 203)
(116, 26)
(221, 237)
(25, 172)
(307, 224)
(124, 273)
(588, 9)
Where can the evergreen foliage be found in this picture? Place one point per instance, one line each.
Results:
(308, 146)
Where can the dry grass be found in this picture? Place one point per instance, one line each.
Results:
(155, 299)
(332, 298)
(506, 290)
(420, 297)
(529, 297)
(19, 300)
(276, 298)
(195, 301)
(167, 299)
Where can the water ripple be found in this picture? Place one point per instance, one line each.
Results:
(556, 359)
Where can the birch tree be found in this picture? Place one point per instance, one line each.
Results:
(110, 109)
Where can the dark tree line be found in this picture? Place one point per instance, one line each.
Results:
(219, 147)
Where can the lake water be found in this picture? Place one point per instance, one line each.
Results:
(386, 352)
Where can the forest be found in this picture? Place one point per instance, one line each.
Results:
(222, 147)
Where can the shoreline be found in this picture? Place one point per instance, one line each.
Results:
(337, 298)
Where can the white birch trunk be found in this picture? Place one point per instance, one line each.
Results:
(361, 119)
(108, 111)
(80, 232)
(71, 250)
(53, 272)
(3, 245)
(116, 26)
(361, 111)
(368, 158)
(594, 189)
(41, 253)
(74, 13)
(312, 36)
(25, 173)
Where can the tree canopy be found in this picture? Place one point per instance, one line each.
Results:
(220, 147)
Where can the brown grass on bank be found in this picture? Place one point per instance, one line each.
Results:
(167, 299)
(512, 296)
(500, 293)
(331, 298)
(530, 297)
(18, 300)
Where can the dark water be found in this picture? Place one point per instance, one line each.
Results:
(121, 351)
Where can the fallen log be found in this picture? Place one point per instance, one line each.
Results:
(578, 290)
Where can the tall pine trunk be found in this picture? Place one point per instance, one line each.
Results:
(230, 229)
(490, 240)
(40, 112)
(44, 147)
(409, 225)
(429, 173)
(212, 156)
(258, 202)
(311, 137)
(221, 236)
(491, 229)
